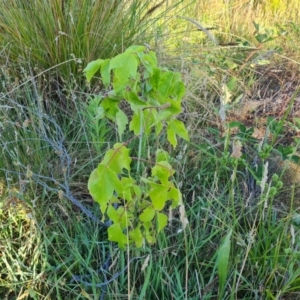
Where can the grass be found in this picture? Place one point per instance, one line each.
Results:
(242, 237)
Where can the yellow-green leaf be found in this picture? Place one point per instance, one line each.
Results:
(115, 234)
(158, 195)
(92, 68)
(147, 215)
(105, 72)
(137, 237)
(122, 121)
(117, 158)
(162, 171)
(102, 184)
(162, 221)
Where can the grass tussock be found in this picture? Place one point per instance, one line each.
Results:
(237, 235)
(69, 34)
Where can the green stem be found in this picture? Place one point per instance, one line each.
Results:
(140, 144)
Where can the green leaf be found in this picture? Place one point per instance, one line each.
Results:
(135, 102)
(171, 136)
(92, 68)
(115, 234)
(117, 158)
(111, 108)
(165, 84)
(176, 127)
(137, 192)
(112, 214)
(135, 49)
(163, 171)
(180, 129)
(161, 155)
(179, 91)
(170, 85)
(166, 113)
(149, 61)
(143, 121)
(158, 195)
(222, 262)
(174, 195)
(147, 215)
(125, 67)
(158, 128)
(155, 79)
(125, 217)
(162, 221)
(122, 121)
(135, 124)
(102, 184)
(137, 237)
(148, 233)
(105, 72)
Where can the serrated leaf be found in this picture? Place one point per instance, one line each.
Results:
(162, 221)
(180, 129)
(137, 237)
(158, 195)
(122, 121)
(91, 69)
(176, 127)
(147, 215)
(117, 158)
(115, 234)
(102, 184)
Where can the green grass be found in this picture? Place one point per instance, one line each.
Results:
(235, 246)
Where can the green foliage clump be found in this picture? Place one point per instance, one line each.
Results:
(135, 205)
